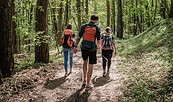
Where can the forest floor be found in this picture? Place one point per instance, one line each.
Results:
(47, 84)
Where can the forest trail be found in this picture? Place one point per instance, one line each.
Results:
(48, 84)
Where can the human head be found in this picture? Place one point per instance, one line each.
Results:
(108, 30)
(94, 18)
(69, 26)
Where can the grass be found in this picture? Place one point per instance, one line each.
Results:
(147, 60)
(26, 60)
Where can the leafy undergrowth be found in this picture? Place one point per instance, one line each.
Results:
(147, 60)
(26, 60)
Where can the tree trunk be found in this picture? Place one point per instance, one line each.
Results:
(78, 6)
(163, 9)
(14, 25)
(66, 12)
(171, 10)
(6, 46)
(41, 47)
(119, 20)
(30, 26)
(113, 16)
(86, 7)
(108, 12)
(86, 13)
(95, 6)
(60, 19)
(55, 27)
(135, 23)
(155, 11)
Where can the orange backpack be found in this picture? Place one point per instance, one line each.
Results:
(89, 35)
(66, 40)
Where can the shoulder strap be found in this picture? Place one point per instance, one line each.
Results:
(111, 39)
(68, 32)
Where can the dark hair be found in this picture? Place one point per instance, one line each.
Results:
(94, 17)
(108, 29)
(69, 26)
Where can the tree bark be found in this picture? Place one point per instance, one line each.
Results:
(119, 20)
(6, 46)
(87, 7)
(163, 8)
(171, 10)
(41, 46)
(108, 12)
(30, 25)
(14, 25)
(113, 16)
(60, 20)
(78, 6)
(66, 12)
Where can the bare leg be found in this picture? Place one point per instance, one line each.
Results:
(85, 69)
(89, 74)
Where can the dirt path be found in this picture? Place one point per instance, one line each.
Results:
(49, 84)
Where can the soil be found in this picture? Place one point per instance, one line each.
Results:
(48, 84)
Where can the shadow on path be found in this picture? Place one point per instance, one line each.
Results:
(79, 96)
(52, 84)
(100, 81)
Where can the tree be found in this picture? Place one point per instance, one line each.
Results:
(113, 16)
(14, 29)
(66, 12)
(171, 10)
(60, 20)
(86, 7)
(55, 25)
(163, 8)
(108, 12)
(78, 6)
(41, 46)
(6, 46)
(119, 20)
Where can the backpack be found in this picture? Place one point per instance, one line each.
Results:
(66, 40)
(107, 42)
(88, 42)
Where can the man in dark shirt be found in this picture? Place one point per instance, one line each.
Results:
(89, 32)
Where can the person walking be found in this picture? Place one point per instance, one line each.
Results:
(108, 48)
(67, 41)
(89, 32)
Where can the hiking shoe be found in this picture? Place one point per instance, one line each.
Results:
(88, 87)
(70, 71)
(84, 84)
(104, 74)
(66, 74)
(108, 71)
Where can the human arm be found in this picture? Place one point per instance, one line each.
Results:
(114, 46)
(78, 38)
(98, 37)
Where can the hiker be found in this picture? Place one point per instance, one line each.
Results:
(89, 32)
(108, 48)
(67, 41)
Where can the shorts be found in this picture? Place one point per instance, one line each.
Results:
(89, 54)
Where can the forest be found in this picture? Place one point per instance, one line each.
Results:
(30, 33)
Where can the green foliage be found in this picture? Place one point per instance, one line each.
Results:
(154, 37)
(25, 61)
(148, 64)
